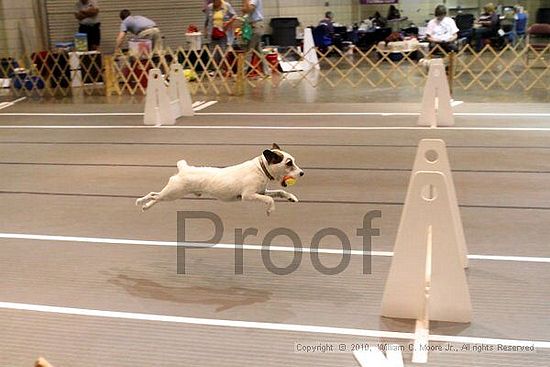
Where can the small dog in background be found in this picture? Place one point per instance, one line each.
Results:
(245, 181)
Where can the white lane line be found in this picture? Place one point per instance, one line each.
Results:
(267, 325)
(71, 114)
(476, 114)
(197, 106)
(241, 127)
(206, 105)
(120, 241)
(9, 104)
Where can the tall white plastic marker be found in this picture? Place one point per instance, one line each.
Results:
(427, 280)
(436, 101)
(431, 155)
(157, 102)
(165, 104)
(178, 91)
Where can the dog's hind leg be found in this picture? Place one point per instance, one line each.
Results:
(174, 190)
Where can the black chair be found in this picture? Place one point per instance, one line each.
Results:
(340, 36)
(368, 39)
(410, 31)
(465, 25)
(543, 15)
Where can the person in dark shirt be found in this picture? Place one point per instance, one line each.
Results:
(86, 12)
(327, 22)
(488, 25)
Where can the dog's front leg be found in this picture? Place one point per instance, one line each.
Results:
(282, 194)
(263, 198)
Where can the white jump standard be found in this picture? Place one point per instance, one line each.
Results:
(165, 104)
(436, 100)
(426, 280)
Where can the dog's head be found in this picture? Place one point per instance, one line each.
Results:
(281, 164)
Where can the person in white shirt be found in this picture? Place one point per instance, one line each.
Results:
(442, 30)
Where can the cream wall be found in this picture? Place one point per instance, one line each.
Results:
(18, 27)
(19, 19)
(310, 12)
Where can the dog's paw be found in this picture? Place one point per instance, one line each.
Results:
(139, 202)
(292, 198)
(270, 210)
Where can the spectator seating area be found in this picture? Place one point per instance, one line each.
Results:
(515, 28)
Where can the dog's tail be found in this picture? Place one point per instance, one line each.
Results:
(182, 164)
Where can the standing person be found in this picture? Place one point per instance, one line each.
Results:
(140, 26)
(520, 23)
(86, 11)
(255, 11)
(219, 17)
(442, 30)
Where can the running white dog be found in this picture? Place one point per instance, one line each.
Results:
(245, 181)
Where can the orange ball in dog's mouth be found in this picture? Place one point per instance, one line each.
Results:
(288, 181)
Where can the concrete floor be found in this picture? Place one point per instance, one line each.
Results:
(60, 180)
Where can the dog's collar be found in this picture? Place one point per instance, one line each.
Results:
(264, 169)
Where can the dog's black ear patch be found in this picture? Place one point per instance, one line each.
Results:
(276, 146)
(272, 157)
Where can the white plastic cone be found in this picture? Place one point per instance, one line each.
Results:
(427, 204)
(431, 155)
(157, 101)
(178, 91)
(436, 101)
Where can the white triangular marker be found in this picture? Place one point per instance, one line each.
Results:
(431, 155)
(427, 204)
(178, 91)
(157, 101)
(310, 53)
(436, 101)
